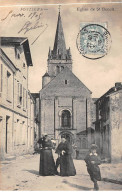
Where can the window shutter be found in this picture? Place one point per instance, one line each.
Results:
(1, 77)
(21, 90)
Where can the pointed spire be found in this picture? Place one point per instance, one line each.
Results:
(69, 53)
(49, 53)
(59, 49)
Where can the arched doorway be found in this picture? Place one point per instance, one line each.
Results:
(71, 139)
(68, 136)
(66, 119)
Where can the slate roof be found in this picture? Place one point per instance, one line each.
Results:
(17, 41)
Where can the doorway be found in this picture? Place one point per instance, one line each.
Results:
(68, 137)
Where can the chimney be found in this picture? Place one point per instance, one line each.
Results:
(118, 85)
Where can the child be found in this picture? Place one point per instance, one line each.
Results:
(92, 161)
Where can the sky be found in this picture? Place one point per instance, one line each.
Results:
(98, 75)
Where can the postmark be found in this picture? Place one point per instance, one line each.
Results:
(93, 41)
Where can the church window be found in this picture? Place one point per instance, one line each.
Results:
(59, 56)
(62, 67)
(23, 65)
(18, 56)
(58, 69)
(66, 82)
(66, 118)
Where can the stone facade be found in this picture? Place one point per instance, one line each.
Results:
(16, 102)
(108, 130)
(58, 96)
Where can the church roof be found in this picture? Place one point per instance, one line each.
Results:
(57, 86)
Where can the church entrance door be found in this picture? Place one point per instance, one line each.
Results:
(68, 137)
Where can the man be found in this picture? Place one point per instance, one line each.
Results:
(92, 161)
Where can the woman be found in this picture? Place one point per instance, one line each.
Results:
(64, 150)
(47, 164)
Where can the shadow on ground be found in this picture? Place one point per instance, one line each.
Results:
(77, 186)
(33, 172)
(112, 181)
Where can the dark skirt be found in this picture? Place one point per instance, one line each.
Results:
(94, 173)
(47, 164)
(67, 167)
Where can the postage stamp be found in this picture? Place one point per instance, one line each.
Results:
(93, 41)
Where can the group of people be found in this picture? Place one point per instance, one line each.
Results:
(47, 163)
(48, 167)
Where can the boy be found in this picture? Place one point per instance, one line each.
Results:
(92, 161)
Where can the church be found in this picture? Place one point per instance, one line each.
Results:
(66, 106)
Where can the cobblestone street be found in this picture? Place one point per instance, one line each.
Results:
(22, 174)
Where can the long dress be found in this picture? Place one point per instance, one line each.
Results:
(67, 167)
(93, 169)
(47, 164)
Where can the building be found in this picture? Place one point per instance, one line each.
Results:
(16, 102)
(108, 125)
(65, 102)
(36, 119)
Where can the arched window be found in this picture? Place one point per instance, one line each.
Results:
(62, 67)
(23, 65)
(58, 69)
(66, 118)
(59, 56)
(18, 56)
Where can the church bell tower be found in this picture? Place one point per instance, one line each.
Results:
(59, 57)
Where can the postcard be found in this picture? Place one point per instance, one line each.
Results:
(60, 96)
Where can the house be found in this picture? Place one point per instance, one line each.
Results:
(108, 125)
(16, 102)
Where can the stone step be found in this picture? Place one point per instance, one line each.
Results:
(9, 158)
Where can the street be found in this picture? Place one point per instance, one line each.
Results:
(21, 173)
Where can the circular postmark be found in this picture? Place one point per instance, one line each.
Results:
(93, 41)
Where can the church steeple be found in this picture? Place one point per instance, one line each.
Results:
(59, 57)
(59, 49)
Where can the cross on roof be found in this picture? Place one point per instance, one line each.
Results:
(59, 8)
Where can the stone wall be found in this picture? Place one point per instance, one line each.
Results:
(116, 126)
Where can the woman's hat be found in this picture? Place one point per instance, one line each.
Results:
(93, 147)
(44, 134)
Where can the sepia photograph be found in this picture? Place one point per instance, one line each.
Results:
(60, 95)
